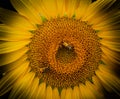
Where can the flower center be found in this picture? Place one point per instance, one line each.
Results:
(64, 52)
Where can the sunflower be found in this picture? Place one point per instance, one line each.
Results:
(60, 49)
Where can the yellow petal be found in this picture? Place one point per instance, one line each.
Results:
(61, 7)
(85, 92)
(6, 83)
(93, 89)
(22, 86)
(97, 83)
(41, 91)
(63, 93)
(13, 34)
(37, 4)
(103, 68)
(111, 45)
(76, 93)
(55, 94)
(13, 56)
(49, 92)
(110, 35)
(109, 22)
(103, 81)
(82, 7)
(6, 47)
(96, 9)
(25, 8)
(109, 64)
(13, 19)
(34, 88)
(50, 8)
(68, 94)
(110, 55)
(14, 64)
(109, 81)
(70, 6)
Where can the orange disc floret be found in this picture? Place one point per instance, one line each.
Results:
(64, 52)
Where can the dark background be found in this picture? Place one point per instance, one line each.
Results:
(6, 4)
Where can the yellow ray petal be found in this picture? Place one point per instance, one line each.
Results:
(86, 93)
(82, 7)
(13, 34)
(111, 55)
(6, 47)
(50, 7)
(110, 73)
(104, 68)
(109, 81)
(13, 65)
(41, 93)
(49, 92)
(68, 94)
(81, 88)
(13, 19)
(34, 89)
(110, 64)
(76, 93)
(111, 45)
(106, 61)
(55, 94)
(110, 35)
(70, 6)
(110, 59)
(13, 56)
(25, 8)
(60, 7)
(97, 93)
(6, 83)
(39, 7)
(97, 83)
(27, 90)
(109, 22)
(95, 10)
(63, 93)
(103, 81)
(22, 86)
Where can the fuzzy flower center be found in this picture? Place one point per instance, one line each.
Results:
(64, 52)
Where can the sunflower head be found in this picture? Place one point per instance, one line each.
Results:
(60, 49)
(65, 52)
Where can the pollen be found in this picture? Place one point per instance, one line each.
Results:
(64, 52)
